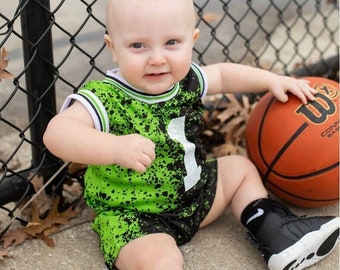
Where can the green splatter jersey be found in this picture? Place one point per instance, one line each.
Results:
(172, 120)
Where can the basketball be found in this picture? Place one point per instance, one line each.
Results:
(295, 147)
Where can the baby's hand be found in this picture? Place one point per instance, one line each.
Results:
(134, 152)
(280, 85)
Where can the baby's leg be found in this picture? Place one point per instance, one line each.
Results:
(153, 251)
(285, 240)
(238, 185)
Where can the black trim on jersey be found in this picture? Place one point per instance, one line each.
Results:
(94, 109)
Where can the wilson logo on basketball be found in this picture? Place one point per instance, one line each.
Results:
(319, 110)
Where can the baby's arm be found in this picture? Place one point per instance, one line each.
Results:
(236, 78)
(71, 136)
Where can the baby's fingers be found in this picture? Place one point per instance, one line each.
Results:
(143, 163)
(306, 92)
(298, 87)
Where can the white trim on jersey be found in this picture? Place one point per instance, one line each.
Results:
(93, 105)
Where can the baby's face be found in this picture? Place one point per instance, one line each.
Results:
(152, 41)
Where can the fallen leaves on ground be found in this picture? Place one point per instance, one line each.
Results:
(42, 200)
(225, 121)
(14, 238)
(47, 214)
(41, 228)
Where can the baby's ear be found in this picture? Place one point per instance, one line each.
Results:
(110, 46)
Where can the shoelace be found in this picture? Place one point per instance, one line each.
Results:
(282, 210)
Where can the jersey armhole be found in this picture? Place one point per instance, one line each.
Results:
(93, 105)
(202, 78)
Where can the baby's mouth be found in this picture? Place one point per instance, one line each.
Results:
(155, 75)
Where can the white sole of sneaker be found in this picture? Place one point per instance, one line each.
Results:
(310, 249)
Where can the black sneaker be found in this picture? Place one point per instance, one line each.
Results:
(289, 242)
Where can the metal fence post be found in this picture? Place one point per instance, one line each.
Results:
(36, 23)
(38, 58)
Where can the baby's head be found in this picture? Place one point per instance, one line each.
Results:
(151, 41)
(117, 10)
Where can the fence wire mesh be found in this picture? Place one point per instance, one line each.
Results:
(55, 46)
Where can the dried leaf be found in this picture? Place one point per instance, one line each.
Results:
(72, 191)
(43, 201)
(52, 229)
(246, 104)
(49, 241)
(4, 74)
(225, 149)
(76, 168)
(14, 238)
(225, 122)
(232, 99)
(208, 133)
(38, 226)
(4, 253)
(41, 228)
(233, 124)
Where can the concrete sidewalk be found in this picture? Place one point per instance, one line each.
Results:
(220, 246)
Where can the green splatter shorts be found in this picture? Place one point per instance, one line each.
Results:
(117, 227)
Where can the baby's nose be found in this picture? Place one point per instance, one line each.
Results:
(157, 57)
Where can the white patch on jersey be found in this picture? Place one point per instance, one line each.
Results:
(176, 131)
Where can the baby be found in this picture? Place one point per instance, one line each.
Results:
(148, 178)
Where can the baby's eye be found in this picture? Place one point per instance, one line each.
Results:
(137, 45)
(172, 42)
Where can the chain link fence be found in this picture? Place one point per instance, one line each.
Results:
(53, 47)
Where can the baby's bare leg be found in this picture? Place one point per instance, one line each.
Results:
(285, 240)
(153, 251)
(238, 185)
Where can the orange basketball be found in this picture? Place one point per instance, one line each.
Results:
(295, 147)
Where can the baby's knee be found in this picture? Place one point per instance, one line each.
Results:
(235, 170)
(247, 164)
(171, 259)
(154, 251)
(236, 162)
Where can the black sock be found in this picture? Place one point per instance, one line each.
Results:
(253, 215)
